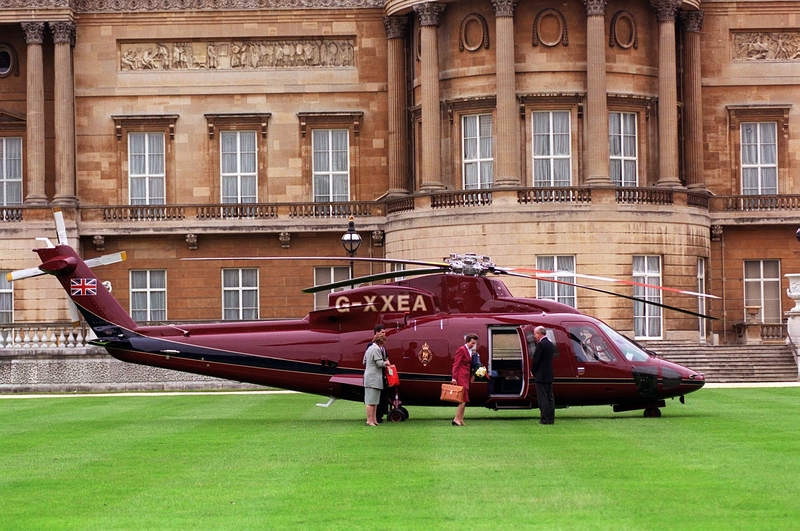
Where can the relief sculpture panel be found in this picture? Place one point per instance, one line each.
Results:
(237, 55)
(761, 46)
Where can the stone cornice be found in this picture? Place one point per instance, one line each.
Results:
(147, 6)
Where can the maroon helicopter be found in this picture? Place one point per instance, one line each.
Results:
(426, 319)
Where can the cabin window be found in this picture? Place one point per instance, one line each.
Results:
(647, 317)
(478, 161)
(149, 295)
(146, 168)
(588, 345)
(238, 167)
(328, 275)
(563, 268)
(762, 289)
(759, 149)
(239, 294)
(552, 148)
(10, 171)
(6, 299)
(622, 148)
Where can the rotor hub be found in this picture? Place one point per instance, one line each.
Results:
(470, 264)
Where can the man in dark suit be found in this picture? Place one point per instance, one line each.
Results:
(543, 375)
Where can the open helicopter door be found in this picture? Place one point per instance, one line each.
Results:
(509, 364)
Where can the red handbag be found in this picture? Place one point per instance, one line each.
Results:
(392, 378)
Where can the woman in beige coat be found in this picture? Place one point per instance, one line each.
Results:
(375, 360)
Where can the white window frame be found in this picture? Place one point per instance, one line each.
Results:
(768, 290)
(322, 165)
(327, 275)
(761, 150)
(239, 174)
(554, 291)
(551, 158)
(8, 182)
(476, 157)
(239, 311)
(150, 176)
(153, 296)
(647, 318)
(6, 299)
(623, 157)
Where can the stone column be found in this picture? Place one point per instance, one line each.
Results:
(34, 35)
(428, 13)
(693, 100)
(596, 100)
(64, 105)
(396, 28)
(667, 93)
(506, 170)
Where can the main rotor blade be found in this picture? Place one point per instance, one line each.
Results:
(636, 299)
(546, 273)
(371, 278)
(325, 259)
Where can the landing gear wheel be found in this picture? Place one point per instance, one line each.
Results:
(652, 413)
(405, 412)
(397, 415)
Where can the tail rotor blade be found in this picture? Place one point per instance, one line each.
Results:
(61, 228)
(24, 273)
(107, 259)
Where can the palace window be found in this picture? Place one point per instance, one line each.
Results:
(622, 148)
(759, 158)
(565, 265)
(239, 294)
(238, 167)
(647, 317)
(331, 165)
(762, 288)
(478, 164)
(146, 168)
(552, 148)
(6, 299)
(149, 295)
(328, 275)
(10, 171)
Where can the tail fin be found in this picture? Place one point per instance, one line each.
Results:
(100, 309)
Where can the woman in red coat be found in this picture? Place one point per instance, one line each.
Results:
(462, 373)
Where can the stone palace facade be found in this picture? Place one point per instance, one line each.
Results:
(650, 140)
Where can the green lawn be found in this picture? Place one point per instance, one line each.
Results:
(727, 459)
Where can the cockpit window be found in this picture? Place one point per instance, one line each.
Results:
(629, 349)
(589, 345)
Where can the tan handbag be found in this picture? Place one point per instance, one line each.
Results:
(452, 393)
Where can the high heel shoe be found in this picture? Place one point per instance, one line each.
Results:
(456, 423)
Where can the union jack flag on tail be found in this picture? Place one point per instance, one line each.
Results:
(83, 286)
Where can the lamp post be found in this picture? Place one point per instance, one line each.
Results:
(351, 241)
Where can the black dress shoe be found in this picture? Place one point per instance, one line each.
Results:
(456, 424)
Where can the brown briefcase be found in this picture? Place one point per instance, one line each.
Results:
(452, 393)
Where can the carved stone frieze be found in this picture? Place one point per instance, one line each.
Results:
(766, 46)
(692, 21)
(396, 27)
(595, 7)
(237, 55)
(114, 6)
(666, 10)
(428, 13)
(504, 8)
(34, 32)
